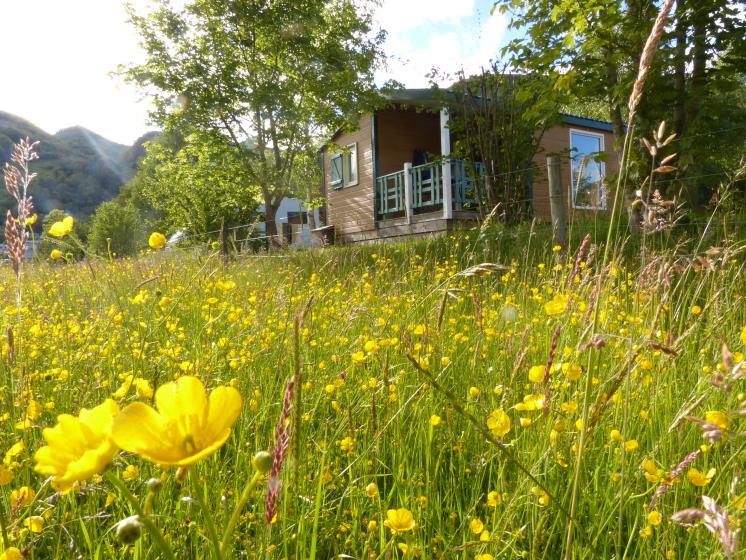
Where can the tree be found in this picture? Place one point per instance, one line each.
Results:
(115, 230)
(591, 50)
(281, 73)
(198, 185)
(499, 119)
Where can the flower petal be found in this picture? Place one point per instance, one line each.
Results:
(140, 429)
(224, 408)
(183, 398)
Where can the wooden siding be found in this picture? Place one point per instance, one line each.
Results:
(351, 209)
(556, 140)
(400, 132)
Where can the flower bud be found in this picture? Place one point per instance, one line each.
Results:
(154, 485)
(509, 313)
(262, 461)
(128, 530)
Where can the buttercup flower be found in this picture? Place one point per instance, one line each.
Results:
(718, 418)
(11, 553)
(78, 447)
(63, 228)
(35, 523)
(400, 520)
(187, 427)
(536, 374)
(56, 255)
(476, 526)
(157, 240)
(557, 305)
(699, 478)
(21, 497)
(371, 490)
(499, 423)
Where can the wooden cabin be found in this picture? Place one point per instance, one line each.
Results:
(394, 177)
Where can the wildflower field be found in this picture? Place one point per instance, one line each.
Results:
(428, 400)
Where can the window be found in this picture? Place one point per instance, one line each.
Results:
(344, 167)
(587, 170)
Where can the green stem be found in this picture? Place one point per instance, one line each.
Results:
(144, 519)
(233, 521)
(593, 357)
(3, 527)
(202, 502)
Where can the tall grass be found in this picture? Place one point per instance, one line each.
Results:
(367, 412)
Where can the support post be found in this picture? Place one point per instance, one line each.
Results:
(557, 202)
(445, 175)
(408, 191)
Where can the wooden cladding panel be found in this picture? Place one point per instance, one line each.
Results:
(556, 140)
(400, 132)
(351, 209)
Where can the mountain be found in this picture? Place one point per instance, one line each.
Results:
(77, 169)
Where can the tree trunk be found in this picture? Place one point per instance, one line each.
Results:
(679, 108)
(699, 65)
(615, 107)
(270, 212)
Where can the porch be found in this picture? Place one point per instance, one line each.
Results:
(419, 189)
(414, 171)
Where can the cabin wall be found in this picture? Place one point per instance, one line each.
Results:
(401, 131)
(556, 140)
(351, 209)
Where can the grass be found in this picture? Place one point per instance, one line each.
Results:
(400, 347)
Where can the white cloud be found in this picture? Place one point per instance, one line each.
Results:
(440, 33)
(62, 79)
(397, 16)
(58, 55)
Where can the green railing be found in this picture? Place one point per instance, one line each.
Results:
(427, 187)
(390, 193)
(466, 191)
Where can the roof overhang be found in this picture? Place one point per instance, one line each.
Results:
(574, 120)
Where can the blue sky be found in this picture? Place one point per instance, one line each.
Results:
(63, 79)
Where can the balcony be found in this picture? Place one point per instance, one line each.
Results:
(425, 185)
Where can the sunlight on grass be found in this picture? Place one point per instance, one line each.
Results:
(440, 409)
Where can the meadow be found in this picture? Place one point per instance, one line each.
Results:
(458, 398)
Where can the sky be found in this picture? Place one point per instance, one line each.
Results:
(58, 56)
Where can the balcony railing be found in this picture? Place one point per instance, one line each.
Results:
(427, 187)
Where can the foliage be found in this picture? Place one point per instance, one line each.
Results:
(78, 169)
(591, 50)
(116, 230)
(198, 186)
(499, 119)
(272, 78)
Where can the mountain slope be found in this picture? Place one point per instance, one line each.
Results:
(77, 169)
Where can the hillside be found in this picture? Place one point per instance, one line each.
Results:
(78, 169)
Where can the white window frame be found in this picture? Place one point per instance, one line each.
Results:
(601, 165)
(350, 167)
(339, 183)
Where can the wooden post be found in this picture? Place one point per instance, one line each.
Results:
(223, 240)
(408, 191)
(445, 176)
(557, 202)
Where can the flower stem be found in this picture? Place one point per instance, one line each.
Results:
(144, 519)
(3, 527)
(202, 502)
(233, 521)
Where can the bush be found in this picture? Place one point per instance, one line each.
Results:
(115, 229)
